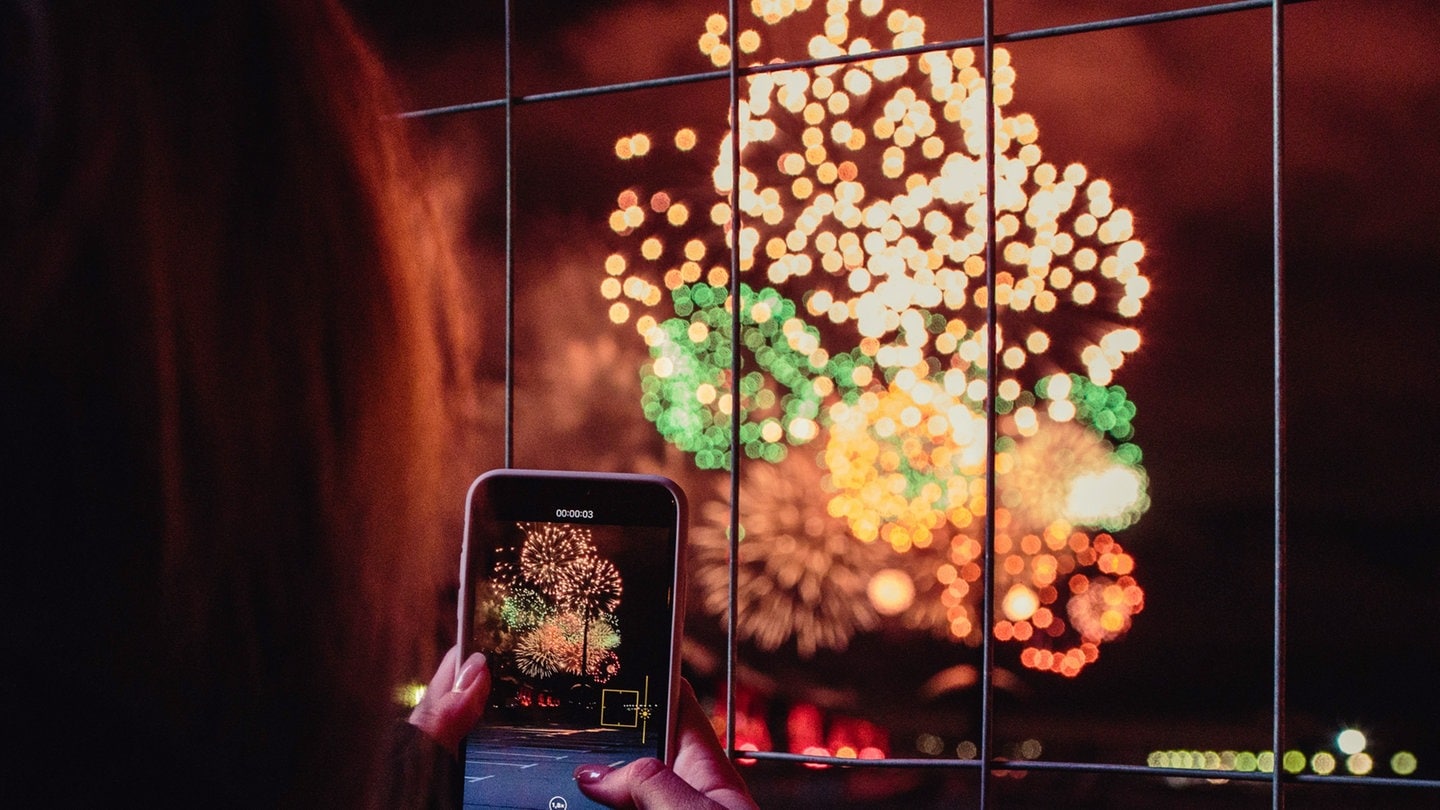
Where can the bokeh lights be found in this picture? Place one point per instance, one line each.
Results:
(862, 233)
(1350, 757)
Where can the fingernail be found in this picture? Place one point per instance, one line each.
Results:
(591, 773)
(469, 672)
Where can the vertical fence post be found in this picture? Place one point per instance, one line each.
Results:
(1277, 95)
(509, 456)
(992, 382)
(735, 365)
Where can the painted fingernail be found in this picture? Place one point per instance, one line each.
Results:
(469, 672)
(591, 773)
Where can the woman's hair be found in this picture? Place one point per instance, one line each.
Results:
(222, 384)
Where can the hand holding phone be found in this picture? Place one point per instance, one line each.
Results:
(702, 776)
(454, 700)
(571, 585)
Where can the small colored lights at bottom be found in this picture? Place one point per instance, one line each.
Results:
(929, 744)
(1324, 763)
(1403, 763)
(1359, 764)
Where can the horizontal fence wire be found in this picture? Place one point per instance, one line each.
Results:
(1132, 21)
(732, 615)
(1044, 765)
(986, 763)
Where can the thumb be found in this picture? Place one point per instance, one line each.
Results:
(453, 703)
(645, 784)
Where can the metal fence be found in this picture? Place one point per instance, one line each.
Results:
(986, 760)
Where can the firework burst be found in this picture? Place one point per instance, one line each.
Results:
(603, 630)
(904, 462)
(524, 609)
(549, 552)
(860, 221)
(802, 578)
(594, 641)
(590, 585)
(545, 651)
(1065, 472)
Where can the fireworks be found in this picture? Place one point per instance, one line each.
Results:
(802, 577)
(524, 609)
(591, 586)
(602, 629)
(1102, 610)
(860, 223)
(905, 461)
(545, 651)
(1066, 472)
(687, 387)
(559, 646)
(550, 553)
(559, 600)
(592, 640)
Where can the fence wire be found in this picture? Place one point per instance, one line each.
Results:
(985, 762)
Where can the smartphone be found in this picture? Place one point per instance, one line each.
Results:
(571, 584)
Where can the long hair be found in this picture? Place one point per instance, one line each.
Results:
(222, 382)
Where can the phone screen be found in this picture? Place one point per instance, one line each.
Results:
(569, 589)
